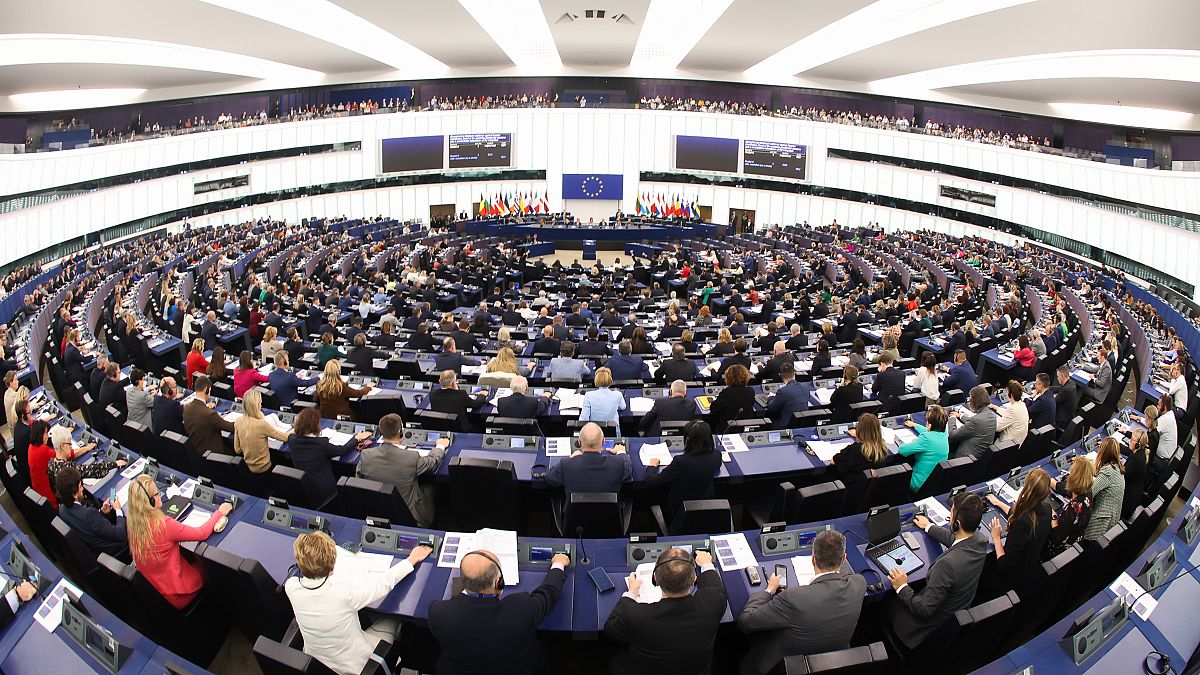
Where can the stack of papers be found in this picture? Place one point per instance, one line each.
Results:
(823, 395)
(657, 451)
(898, 436)
(569, 399)
(827, 450)
(802, 565)
(231, 416)
(640, 404)
(733, 552)
(503, 543)
(474, 370)
(273, 420)
(1128, 588)
(1003, 490)
(648, 593)
(361, 565)
(336, 437)
(732, 443)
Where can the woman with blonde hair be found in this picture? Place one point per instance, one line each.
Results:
(250, 434)
(602, 404)
(868, 451)
(724, 346)
(501, 369)
(271, 344)
(333, 394)
(196, 363)
(1072, 520)
(154, 542)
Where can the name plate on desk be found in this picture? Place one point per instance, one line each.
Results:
(637, 553)
(94, 638)
(280, 516)
(540, 555)
(1089, 632)
(379, 536)
(757, 438)
(423, 437)
(507, 442)
(790, 541)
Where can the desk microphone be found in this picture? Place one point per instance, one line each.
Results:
(582, 551)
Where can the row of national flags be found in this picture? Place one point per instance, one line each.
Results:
(665, 206)
(513, 203)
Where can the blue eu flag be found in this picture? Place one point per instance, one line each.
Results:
(593, 186)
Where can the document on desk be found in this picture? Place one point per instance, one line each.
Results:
(827, 450)
(657, 451)
(280, 425)
(474, 370)
(569, 399)
(732, 443)
(648, 593)
(733, 552)
(558, 446)
(805, 572)
(361, 565)
(1007, 493)
(134, 469)
(840, 361)
(640, 404)
(898, 436)
(937, 514)
(1083, 374)
(503, 543)
(500, 393)
(49, 613)
(231, 416)
(196, 517)
(823, 395)
(336, 437)
(1128, 588)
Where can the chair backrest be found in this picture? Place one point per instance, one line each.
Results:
(702, 516)
(484, 493)
(980, 630)
(288, 483)
(1037, 444)
(74, 548)
(598, 513)
(745, 424)
(862, 407)
(869, 659)
(947, 474)
(1003, 457)
(436, 421)
(246, 592)
(907, 404)
(363, 498)
(779, 508)
(812, 417)
(496, 424)
(823, 501)
(276, 659)
(225, 470)
(888, 486)
(136, 436)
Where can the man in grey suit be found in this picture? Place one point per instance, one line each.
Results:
(1102, 377)
(952, 579)
(816, 617)
(565, 366)
(389, 463)
(975, 435)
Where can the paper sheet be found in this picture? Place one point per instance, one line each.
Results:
(134, 469)
(823, 395)
(503, 543)
(49, 613)
(231, 416)
(474, 370)
(938, 514)
(657, 451)
(826, 450)
(1006, 493)
(361, 565)
(502, 392)
(733, 552)
(640, 404)
(1127, 587)
(802, 565)
(196, 517)
(279, 425)
(732, 443)
(648, 593)
(336, 437)
(559, 446)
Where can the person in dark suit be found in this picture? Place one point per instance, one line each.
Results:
(96, 524)
(283, 380)
(451, 359)
(421, 340)
(690, 475)
(73, 357)
(203, 424)
(788, 399)
(889, 383)
(590, 469)
(812, 618)
(625, 365)
(362, 356)
(962, 376)
(868, 451)
(676, 407)
(21, 437)
(952, 579)
(519, 404)
(1041, 405)
(739, 358)
(1066, 399)
(22, 592)
(675, 634)
(97, 376)
(735, 401)
(112, 392)
(592, 346)
(209, 330)
(1019, 551)
(779, 356)
(974, 436)
(482, 631)
(452, 400)
(849, 327)
(848, 392)
(678, 367)
(312, 453)
(822, 359)
(167, 413)
(547, 344)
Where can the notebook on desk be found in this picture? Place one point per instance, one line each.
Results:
(885, 548)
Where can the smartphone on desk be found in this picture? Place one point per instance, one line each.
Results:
(599, 577)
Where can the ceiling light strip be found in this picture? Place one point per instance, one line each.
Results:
(519, 29)
(671, 30)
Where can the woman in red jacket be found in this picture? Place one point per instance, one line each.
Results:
(40, 454)
(245, 376)
(196, 363)
(1025, 357)
(154, 543)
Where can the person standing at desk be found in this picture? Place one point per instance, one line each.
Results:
(689, 475)
(816, 617)
(327, 604)
(929, 447)
(392, 464)
(1019, 551)
(482, 633)
(952, 579)
(154, 542)
(590, 469)
(675, 634)
(196, 363)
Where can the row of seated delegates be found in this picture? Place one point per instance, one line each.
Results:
(50, 450)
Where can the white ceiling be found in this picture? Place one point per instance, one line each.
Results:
(852, 45)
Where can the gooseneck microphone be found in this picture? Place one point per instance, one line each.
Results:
(583, 556)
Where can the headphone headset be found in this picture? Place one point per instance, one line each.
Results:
(146, 492)
(664, 561)
(499, 570)
(1161, 667)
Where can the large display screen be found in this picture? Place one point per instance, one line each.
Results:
(469, 151)
(768, 158)
(703, 153)
(415, 153)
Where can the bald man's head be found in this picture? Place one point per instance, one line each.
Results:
(591, 437)
(480, 572)
(780, 347)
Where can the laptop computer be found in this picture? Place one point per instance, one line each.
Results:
(885, 548)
